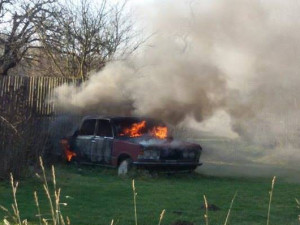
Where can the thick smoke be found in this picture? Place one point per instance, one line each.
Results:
(167, 83)
(173, 79)
(237, 57)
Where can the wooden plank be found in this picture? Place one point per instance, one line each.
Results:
(51, 87)
(1, 87)
(39, 88)
(42, 98)
(47, 94)
(15, 83)
(31, 92)
(45, 84)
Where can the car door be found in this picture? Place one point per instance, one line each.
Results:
(103, 142)
(85, 140)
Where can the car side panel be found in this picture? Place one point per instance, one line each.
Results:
(123, 147)
(107, 149)
(84, 145)
(97, 151)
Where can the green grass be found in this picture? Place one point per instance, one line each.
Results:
(97, 196)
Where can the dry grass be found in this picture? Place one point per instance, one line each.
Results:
(134, 202)
(298, 205)
(161, 216)
(229, 210)
(53, 200)
(206, 210)
(270, 201)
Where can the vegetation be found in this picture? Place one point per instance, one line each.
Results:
(61, 37)
(22, 137)
(96, 196)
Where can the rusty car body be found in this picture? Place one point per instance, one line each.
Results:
(138, 141)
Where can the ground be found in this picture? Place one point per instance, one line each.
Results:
(96, 196)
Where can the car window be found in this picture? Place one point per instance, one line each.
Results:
(88, 127)
(137, 127)
(104, 128)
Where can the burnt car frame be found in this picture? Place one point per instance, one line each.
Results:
(125, 141)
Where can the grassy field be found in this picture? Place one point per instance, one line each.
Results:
(97, 195)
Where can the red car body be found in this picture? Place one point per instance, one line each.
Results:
(143, 142)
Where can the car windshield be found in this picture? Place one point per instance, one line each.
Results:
(135, 127)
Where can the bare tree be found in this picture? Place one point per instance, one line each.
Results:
(63, 38)
(88, 36)
(18, 21)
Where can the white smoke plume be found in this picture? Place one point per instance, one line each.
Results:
(238, 57)
(164, 86)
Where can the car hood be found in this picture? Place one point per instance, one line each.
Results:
(149, 143)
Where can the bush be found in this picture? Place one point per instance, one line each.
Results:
(22, 135)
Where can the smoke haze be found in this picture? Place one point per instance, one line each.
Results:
(237, 59)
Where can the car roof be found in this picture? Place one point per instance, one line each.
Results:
(118, 118)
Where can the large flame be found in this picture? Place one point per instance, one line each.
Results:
(135, 130)
(138, 129)
(160, 132)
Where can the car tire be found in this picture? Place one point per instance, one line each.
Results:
(124, 167)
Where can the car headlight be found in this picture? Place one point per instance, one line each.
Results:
(150, 154)
(192, 155)
(185, 154)
(188, 154)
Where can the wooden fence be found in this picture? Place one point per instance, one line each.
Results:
(35, 91)
(25, 119)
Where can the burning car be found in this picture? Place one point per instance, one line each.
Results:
(125, 141)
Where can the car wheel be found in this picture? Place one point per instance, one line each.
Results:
(124, 166)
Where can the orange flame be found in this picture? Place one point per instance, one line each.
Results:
(68, 153)
(136, 130)
(160, 132)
